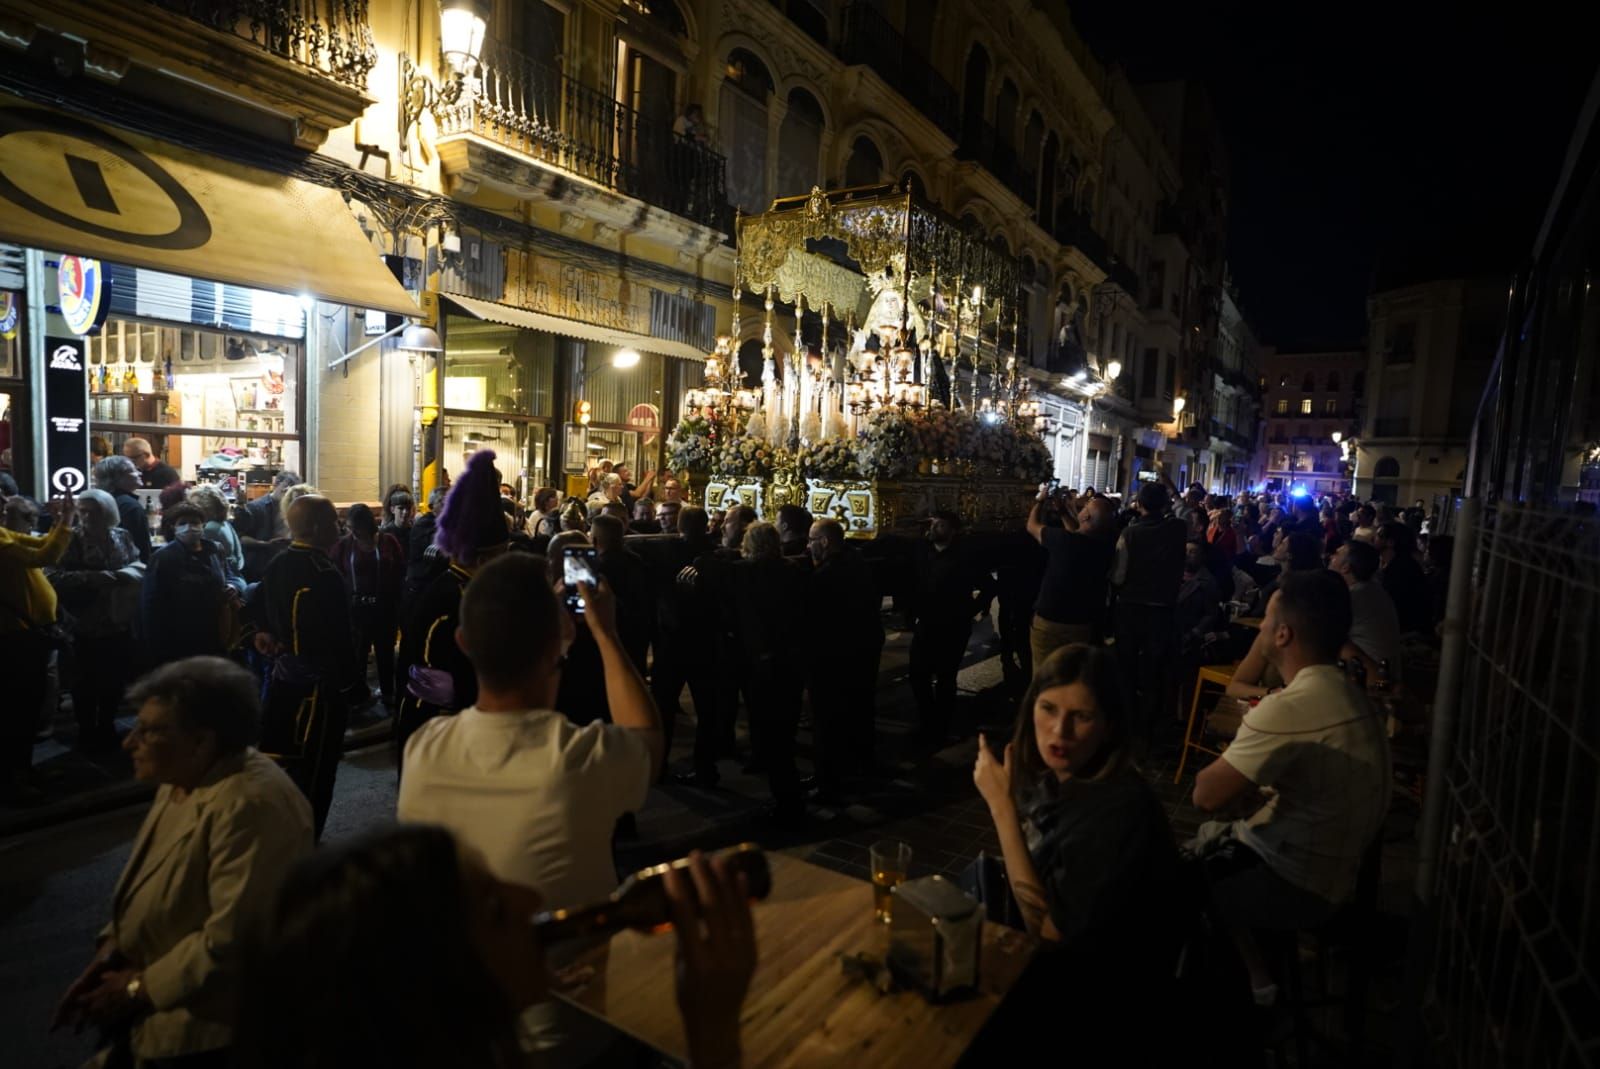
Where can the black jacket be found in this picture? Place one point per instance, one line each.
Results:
(769, 602)
(182, 603)
(945, 584)
(843, 607)
(132, 518)
(428, 638)
(302, 603)
(1150, 561)
(258, 519)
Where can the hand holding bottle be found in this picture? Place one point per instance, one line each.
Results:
(716, 955)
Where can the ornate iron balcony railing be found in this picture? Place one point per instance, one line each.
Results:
(330, 37)
(535, 109)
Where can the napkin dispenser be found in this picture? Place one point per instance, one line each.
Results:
(935, 931)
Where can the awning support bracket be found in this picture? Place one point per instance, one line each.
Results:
(364, 346)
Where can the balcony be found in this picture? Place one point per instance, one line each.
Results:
(539, 112)
(306, 63)
(868, 39)
(1074, 228)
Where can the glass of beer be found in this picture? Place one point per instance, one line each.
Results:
(891, 859)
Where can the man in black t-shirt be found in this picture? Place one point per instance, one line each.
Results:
(1072, 598)
(154, 473)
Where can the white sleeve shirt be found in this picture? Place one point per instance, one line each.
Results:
(538, 795)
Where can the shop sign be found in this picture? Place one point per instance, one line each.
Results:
(558, 288)
(10, 314)
(66, 412)
(81, 285)
(646, 419)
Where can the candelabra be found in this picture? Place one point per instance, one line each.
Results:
(717, 400)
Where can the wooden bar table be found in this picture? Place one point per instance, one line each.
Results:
(802, 1009)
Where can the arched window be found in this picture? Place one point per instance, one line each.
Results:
(799, 144)
(911, 180)
(1333, 382)
(1005, 114)
(1310, 383)
(1387, 468)
(742, 121)
(865, 165)
(1049, 163)
(1032, 146)
(750, 362)
(974, 95)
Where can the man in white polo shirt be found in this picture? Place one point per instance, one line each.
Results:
(538, 795)
(1318, 759)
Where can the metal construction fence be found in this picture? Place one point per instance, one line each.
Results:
(1511, 833)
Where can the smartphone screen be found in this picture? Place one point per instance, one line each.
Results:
(577, 566)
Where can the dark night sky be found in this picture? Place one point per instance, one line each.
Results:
(1391, 143)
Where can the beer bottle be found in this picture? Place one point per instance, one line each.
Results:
(641, 900)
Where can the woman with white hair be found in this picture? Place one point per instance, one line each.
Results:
(97, 582)
(117, 476)
(610, 492)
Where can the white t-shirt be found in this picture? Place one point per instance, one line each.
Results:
(538, 795)
(1375, 624)
(1319, 750)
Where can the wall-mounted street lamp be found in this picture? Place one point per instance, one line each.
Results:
(462, 25)
(1177, 406)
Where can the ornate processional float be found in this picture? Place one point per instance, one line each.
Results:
(897, 391)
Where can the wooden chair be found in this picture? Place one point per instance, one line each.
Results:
(1217, 675)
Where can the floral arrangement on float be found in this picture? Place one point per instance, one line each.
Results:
(750, 455)
(1001, 446)
(693, 444)
(886, 445)
(832, 459)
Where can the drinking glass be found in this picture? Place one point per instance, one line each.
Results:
(891, 860)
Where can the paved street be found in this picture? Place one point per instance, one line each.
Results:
(55, 882)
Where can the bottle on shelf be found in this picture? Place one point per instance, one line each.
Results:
(641, 901)
(166, 376)
(130, 381)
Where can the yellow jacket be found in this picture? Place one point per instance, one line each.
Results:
(27, 599)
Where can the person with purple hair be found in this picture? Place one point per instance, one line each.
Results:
(432, 675)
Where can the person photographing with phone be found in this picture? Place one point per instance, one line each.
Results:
(536, 794)
(1079, 535)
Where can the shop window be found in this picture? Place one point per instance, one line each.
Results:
(238, 394)
(493, 368)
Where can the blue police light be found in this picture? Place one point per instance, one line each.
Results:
(1299, 491)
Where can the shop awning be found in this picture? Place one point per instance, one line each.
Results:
(494, 312)
(72, 186)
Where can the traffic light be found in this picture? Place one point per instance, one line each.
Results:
(580, 413)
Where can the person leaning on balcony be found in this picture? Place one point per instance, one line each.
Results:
(691, 124)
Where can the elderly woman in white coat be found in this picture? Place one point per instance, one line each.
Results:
(225, 827)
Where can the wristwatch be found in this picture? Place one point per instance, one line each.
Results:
(135, 987)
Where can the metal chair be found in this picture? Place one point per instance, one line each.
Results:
(1215, 675)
